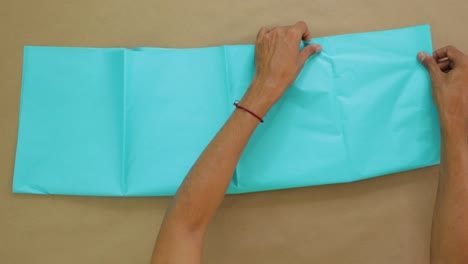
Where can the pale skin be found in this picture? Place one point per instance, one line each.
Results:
(278, 62)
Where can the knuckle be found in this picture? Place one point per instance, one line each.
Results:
(301, 22)
(453, 50)
(450, 47)
(294, 31)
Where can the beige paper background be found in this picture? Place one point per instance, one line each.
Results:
(383, 220)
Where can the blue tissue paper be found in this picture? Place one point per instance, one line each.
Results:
(131, 122)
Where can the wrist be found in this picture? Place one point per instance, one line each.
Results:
(455, 138)
(256, 100)
(246, 109)
(453, 126)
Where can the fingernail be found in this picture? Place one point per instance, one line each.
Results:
(421, 56)
(319, 48)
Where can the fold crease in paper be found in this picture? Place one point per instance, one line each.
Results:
(131, 122)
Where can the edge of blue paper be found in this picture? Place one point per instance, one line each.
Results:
(21, 187)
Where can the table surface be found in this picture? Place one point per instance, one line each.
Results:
(382, 220)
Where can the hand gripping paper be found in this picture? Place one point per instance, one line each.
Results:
(121, 122)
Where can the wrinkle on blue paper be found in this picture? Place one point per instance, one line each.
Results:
(121, 122)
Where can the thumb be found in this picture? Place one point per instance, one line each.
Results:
(308, 51)
(431, 65)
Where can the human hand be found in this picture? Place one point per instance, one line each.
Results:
(448, 68)
(278, 61)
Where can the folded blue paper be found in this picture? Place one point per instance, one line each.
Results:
(120, 122)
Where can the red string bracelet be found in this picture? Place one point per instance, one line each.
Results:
(237, 105)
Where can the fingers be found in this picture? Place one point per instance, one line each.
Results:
(262, 32)
(301, 26)
(431, 65)
(449, 52)
(445, 65)
(308, 51)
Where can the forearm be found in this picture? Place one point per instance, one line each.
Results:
(278, 61)
(449, 242)
(203, 189)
